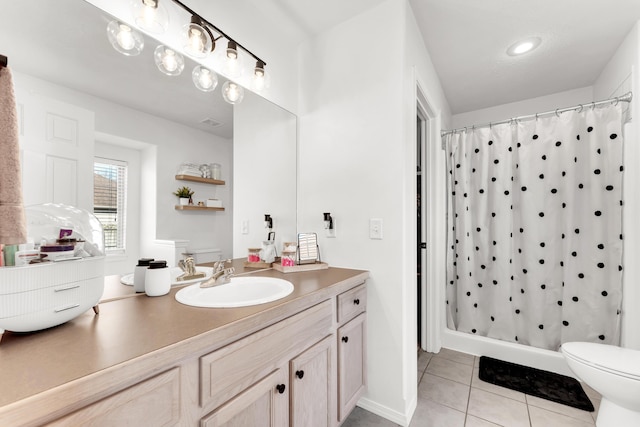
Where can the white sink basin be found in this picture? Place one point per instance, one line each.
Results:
(240, 292)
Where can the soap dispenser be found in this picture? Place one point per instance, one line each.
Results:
(139, 274)
(158, 279)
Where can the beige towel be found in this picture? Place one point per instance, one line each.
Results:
(13, 229)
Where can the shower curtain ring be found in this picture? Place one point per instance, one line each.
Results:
(536, 117)
(617, 100)
(557, 115)
(593, 106)
(581, 108)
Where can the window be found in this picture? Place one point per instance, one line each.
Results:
(109, 201)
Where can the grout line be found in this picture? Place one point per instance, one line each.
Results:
(466, 410)
(528, 411)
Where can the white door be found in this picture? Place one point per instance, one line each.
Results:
(56, 148)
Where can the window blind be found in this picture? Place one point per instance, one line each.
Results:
(109, 201)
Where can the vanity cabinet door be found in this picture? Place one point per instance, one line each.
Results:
(153, 402)
(351, 366)
(264, 404)
(313, 386)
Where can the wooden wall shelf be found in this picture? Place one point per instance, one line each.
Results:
(196, 208)
(200, 179)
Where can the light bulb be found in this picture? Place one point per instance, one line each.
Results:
(232, 92)
(524, 46)
(150, 15)
(168, 60)
(232, 63)
(259, 82)
(124, 39)
(204, 79)
(195, 39)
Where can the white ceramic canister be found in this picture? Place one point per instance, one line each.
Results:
(158, 279)
(139, 274)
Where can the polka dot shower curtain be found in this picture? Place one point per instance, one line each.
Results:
(535, 229)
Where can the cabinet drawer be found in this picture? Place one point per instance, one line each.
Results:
(352, 303)
(153, 402)
(231, 369)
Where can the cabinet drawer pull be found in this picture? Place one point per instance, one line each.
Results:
(300, 374)
(356, 301)
(345, 339)
(69, 307)
(67, 288)
(280, 388)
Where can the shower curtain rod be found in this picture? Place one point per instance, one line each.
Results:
(624, 98)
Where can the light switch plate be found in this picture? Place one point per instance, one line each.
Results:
(375, 228)
(331, 233)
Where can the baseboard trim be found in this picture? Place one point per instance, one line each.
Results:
(388, 413)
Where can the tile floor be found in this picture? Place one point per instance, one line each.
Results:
(450, 394)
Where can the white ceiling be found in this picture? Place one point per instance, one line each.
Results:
(468, 39)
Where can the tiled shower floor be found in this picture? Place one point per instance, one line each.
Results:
(450, 394)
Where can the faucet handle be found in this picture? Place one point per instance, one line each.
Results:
(219, 265)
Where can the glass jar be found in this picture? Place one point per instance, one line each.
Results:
(253, 255)
(216, 171)
(288, 258)
(205, 171)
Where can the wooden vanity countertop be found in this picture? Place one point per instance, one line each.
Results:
(132, 328)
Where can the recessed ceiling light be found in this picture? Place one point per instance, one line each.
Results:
(523, 46)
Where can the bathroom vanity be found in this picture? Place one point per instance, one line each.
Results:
(298, 361)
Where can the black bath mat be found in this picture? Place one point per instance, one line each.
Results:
(535, 382)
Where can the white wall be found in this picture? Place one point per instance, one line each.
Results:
(622, 74)
(357, 161)
(421, 82)
(264, 181)
(176, 143)
(523, 108)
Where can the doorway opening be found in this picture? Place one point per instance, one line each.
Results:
(421, 244)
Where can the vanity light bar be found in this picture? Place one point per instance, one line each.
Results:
(217, 30)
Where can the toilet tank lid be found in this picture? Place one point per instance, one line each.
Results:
(611, 358)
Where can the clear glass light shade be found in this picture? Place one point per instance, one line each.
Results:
(124, 39)
(150, 15)
(168, 60)
(261, 80)
(204, 79)
(196, 40)
(233, 64)
(232, 92)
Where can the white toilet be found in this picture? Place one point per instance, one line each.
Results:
(612, 371)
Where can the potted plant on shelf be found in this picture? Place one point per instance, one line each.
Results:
(184, 193)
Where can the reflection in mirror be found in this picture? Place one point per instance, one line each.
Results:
(308, 248)
(80, 101)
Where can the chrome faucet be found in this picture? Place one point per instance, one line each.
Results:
(220, 275)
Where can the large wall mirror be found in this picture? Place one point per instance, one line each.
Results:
(81, 103)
